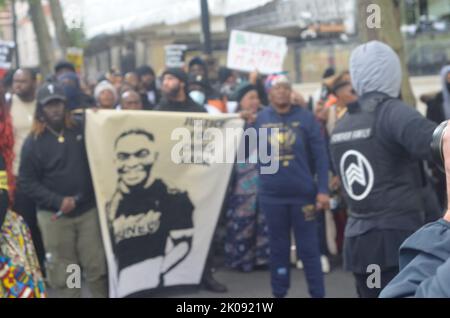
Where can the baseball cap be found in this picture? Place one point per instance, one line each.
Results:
(64, 64)
(49, 92)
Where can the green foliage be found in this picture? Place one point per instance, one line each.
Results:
(77, 37)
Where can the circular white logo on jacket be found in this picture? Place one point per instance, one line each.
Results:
(357, 175)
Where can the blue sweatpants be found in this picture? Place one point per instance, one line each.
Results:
(281, 220)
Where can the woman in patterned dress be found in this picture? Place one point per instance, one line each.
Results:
(246, 241)
(20, 274)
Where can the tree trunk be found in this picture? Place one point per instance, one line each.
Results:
(44, 41)
(390, 34)
(62, 33)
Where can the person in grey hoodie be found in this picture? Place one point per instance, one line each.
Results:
(425, 256)
(377, 149)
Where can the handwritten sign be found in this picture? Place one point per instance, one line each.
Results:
(250, 52)
(175, 55)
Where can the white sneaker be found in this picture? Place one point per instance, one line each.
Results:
(293, 255)
(326, 268)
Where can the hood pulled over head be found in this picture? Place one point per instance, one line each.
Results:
(375, 67)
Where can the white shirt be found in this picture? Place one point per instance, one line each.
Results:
(22, 114)
(212, 110)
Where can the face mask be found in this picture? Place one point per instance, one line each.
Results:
(198, 97)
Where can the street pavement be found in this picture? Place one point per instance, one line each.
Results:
(339, 284)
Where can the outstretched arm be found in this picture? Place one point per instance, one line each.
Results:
(409, 129)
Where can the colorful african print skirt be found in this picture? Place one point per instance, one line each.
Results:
(20, 274)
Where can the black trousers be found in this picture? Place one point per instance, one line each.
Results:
(25, 207)
(216, 250)
(362, 287)
(211, 259)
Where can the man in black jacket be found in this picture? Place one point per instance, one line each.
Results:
(147, 87)
(175, 93)
(377, 148)
(176, 99)
(55, 173)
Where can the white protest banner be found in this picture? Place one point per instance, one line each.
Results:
(250, 52)
(159, 193)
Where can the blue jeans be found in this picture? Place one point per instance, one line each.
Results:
(281, 220)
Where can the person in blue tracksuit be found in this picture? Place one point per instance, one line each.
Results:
(291, 197)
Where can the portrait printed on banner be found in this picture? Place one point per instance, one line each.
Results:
(150, 224)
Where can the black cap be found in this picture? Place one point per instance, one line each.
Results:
(178, 73)
(50, 92)
(64, 64)
(197, 61)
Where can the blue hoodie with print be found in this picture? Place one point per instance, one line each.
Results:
(303, 158)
